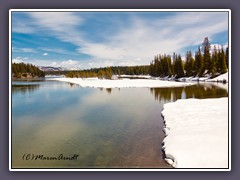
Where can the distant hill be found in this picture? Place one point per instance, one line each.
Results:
(50, 68)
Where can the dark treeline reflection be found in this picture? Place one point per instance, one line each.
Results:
(109, 90)
(73, 85)
(196, 91)
(23, 89)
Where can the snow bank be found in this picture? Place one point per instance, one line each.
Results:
(196, 133)
(221, 78)
(202, 79)
(136, 76)
(122, 83)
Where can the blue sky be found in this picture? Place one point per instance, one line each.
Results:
(98, 39)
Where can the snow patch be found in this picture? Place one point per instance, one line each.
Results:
(207, 78)
(136, 76)
(122, 83)
(221, 78)
(197, 133)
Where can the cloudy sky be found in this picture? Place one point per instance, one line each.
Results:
(98, 39)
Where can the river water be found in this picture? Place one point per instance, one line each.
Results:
(61, 125)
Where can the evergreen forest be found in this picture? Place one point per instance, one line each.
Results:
(21, 70)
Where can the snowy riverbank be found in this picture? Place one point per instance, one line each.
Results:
(122, 83)
(196, 133)
(221, 78)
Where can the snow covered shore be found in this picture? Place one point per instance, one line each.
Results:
(136, 76)
(196, 133)
(221, 78)
(122, 83)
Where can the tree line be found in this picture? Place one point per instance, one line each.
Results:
(206, 61)
(107, 72)
(21, 70)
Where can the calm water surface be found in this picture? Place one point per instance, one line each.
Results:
(104, 128)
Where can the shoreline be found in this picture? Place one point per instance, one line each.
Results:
(128, 82)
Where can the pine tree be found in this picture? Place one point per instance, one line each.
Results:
(158, 66)
(189, 65)
(108, 73)
(227, 58)
(174, 58)
(192, 64)
(198, 62)
(214, 61)
(206, 55)
(222, 62)
(100, 74)
(164, 66)
(151, 69)
(119, 72)
(169, 62)
(178, 66)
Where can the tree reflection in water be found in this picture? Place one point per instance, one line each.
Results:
(199, 91)
(23, 89)
(109, 90)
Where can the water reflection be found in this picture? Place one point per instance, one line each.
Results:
(104, 130)
(108, 127)
(166, 94)
(109, 90)
(29, 80)
(73, 85)
(199, 91)
(23, 89)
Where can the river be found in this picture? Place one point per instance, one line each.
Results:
(101, 128)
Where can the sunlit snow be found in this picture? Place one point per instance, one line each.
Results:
(196, 133)
(122, 83)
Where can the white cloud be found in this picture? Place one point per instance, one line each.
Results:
(24, 50)
(56, 21)
(66, 64)
(28, 50)
(60, 24)
(22, 26)
(26, 60)
(45, 54)
(69, 63)
(138, 41)
(53, 64)
(18, 60)
(56, 50)
(219, 46)
(39, 62)
(143, 39)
